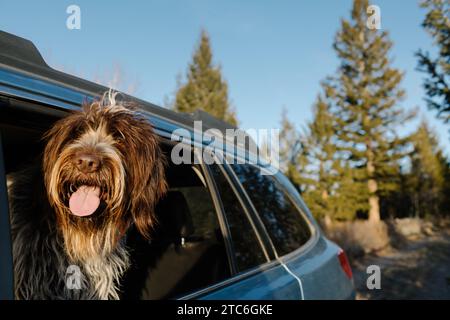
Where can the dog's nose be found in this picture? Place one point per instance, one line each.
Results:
(87, 162)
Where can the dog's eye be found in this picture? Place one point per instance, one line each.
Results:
(77, 131)
(118, 136)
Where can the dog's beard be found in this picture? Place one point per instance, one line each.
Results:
(86, 241)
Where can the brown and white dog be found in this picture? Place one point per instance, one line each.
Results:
(102, 171)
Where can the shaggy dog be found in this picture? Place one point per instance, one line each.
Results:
(102, 171)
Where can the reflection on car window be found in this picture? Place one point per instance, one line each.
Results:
(247, 250)
(286, 226)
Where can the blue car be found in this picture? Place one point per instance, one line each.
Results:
(231, 228)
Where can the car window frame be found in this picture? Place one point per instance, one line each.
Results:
(218, 206)
(250, 209)
(6, 263)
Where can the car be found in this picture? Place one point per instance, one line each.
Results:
(230, 229)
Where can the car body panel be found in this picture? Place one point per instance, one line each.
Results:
(268, 283)
(320, 272)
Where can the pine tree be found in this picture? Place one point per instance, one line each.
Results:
(318, 174)
(289, 149)
(365, 93)
(348, 201)
(427, 173)
(437, 85)
(205, 88)
(328, 185)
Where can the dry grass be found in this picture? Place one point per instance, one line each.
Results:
(359, 237)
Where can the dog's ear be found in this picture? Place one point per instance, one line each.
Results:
(145, 173)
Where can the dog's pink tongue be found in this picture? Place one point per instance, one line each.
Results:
(84, 201)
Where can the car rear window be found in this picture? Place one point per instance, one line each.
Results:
(286, 226)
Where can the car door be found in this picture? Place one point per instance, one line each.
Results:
(258, 275)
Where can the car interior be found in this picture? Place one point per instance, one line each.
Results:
(186, 251)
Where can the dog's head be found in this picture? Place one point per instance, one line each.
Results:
(103, 170)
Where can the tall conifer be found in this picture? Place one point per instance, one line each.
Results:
(365, 94)
(205, 89)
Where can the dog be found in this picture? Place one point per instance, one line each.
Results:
(101, 172)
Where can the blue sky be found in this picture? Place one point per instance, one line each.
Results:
(273, 53)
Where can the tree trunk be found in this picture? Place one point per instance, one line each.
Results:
(372, 185)
(374, 201)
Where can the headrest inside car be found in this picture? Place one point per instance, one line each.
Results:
(174, 216)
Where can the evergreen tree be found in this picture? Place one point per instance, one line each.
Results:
(437, 85)
(348, 201)
(205, 89)
(365, 94)
(328, 185)
(427, 173)
(318, 160)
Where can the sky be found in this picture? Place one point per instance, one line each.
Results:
(273, 54)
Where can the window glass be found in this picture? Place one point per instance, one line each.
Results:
(246, 246)
(285, 225)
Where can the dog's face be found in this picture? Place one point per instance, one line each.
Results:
(103, 170)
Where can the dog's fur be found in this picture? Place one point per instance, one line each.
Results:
(47, 238)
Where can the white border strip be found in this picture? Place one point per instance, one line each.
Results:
(295, 276)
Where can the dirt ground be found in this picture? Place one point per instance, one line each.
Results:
(417, 269)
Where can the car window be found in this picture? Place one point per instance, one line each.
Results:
(247, 249)
(286, 226)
